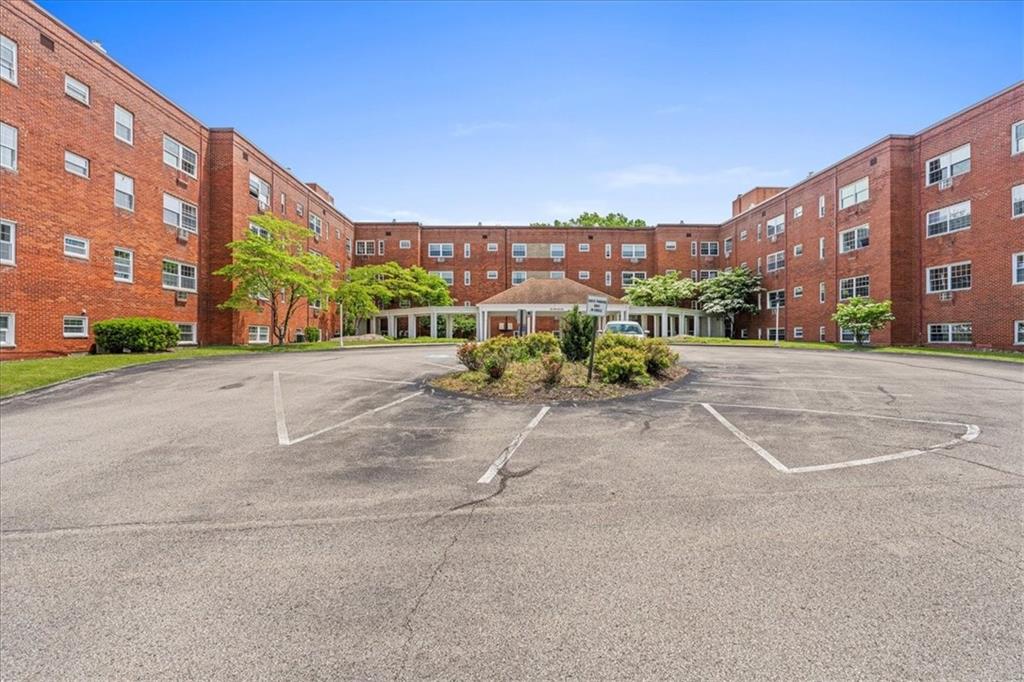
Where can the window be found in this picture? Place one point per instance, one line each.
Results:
(584, 275)
(184, 159)
(364, 247)
(851, 287)
(607, 250)
(259, 231)
(7, 330)
(348, 244)
(776, 261)
(798, 292)
(466, 250)
(447, 275)
(76, 165)
(821, 333)
(1016, 131)
(380, 247)
(961, 332)
(853, 239)
(441, 250)
(124, 265)
(798, 332)
(186, 333)
(260, 189)
(8, 147)
(8, 60)
(955, 277)
(1018, 268)
(124, 124)
(708, 274)
(492, 247)
(492, 274)
(519, 250)
(556, 274)
(1018, 201)
(743, 235)
(1018, 332)
(948, 165)
(854, 193)
(259, 334)
(404, 244)
(179, 276)
(584, 247)
(694, 275)
(76, 327)
(7, 239)
(759, 232)
(798, 250)
(776, 299)
(315, 223)
(556, 250)
(634, 251)
(76, 89)
(821, 206)
(629, 277)
(776, 334)
(797, 212)
(181, 214)
(821, 292)
(518, 277)
(821, 248)
(709, 248)
(467, 277)
(607, 278)
(759, 265)
(298, 209)
(776, 226)
(848, 336)
(670, 245)
(949, 219)
(124, 192)
(76, 247)
(693, 248)
(727, 246)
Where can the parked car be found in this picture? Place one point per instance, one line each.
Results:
(627, 328)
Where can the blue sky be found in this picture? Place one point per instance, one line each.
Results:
(518, 112)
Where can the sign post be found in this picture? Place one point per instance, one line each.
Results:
(341, 316)
(597, 306)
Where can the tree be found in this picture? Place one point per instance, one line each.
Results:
(369, 289)
(595, 220)
(667, 290)
(577, 334)
(276, 271)
(732, 292)
(862, 316)
(356, 304)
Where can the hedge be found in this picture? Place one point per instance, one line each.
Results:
(136, 334)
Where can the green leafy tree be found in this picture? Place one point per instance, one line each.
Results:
(862, 316)
(389, 285)
(357, 304)
(662, 290)
(276, 271)
(732, 292)
(595, 220)
(577, 334)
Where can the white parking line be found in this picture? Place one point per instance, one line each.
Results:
(350, 376)
(352, 419)
(784, 387)
(510, 449)
(751, 443)
(438, 364)
(282, 427)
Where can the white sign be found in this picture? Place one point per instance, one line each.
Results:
(597, 306)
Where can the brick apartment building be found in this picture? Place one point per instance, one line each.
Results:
(114, 201)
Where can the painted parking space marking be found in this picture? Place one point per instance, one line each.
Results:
(971, 432)
(510, 449)
(350, 376)
(784, 387)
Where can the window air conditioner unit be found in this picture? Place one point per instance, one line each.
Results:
(557, 260)
(634, 261)
(181, 296)
(519, 260)
(263, 204)
(773, 238)
(316, 237)
(945, 183)
(182, 235)
(946, 296)
(440, 259)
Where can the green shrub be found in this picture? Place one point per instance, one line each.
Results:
(619, 341)
(468, 356)
(540, 343)
(463, 327)
(136, 334)
(552, 364)
(577, 331)
(495, 365)
(312, 334)
(659, 356)
(621, 365)
(509, 347)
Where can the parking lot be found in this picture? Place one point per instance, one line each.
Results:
(780, 514)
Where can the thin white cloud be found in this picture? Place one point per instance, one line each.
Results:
(470, 129)
(661, 175)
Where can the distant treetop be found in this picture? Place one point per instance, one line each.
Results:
(595, 220)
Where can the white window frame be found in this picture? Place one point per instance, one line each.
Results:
(556, 274)
(775, 226)
(8, 143)
(776, 333)
(693, 248)
(821, 334)
(9, 67)
(670, 245)
(798, 212)
(709, 248)
(556, 250)
(125, 119)
(316, 224)
(945, 216)
(854, 284)
(773, 260)
(948, 330)
(607, 278)
(519, 250)
(821, 248)
(73, 253)
(131, 265)
(176, 207)
(175, 157)
(708, 274)
(743, 235)
(178, 276)
(1017, 268)
(259, 334)
(405, 243)
(192, 333)
(364, 247)
(1017, 141)
(492, 247)
(518, 277)
(861, 238)
(76, 164)
(584, 247)
(583, 275)
(821, 205)
(447, 275)
(9, 339)
(634, 251)
(857, 192)
(949, 277)
(848, 336)
(76, 89)
(441, 250)
(11, 242)
(821, 292)
(798, 332)
(467, 278)
(380, 247)
(798, 292)
(1018, 332)
(777, 294)
(84, 334)
(632, 276)
(492, 274)
(727, 246)
(124, 185)
(1017, 201)
(259, 231)
(259, 189)
(945, 163)
(798, 250)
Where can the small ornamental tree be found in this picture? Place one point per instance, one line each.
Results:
(862, 316)
(662, 290)
(732, 292)
(276, 271)
(577, 333)
(593, 219)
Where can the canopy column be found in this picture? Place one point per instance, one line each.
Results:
(433, 325)
(448, 331)
(411, 326)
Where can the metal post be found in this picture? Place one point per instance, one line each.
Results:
(776, 324)
(341, 315)
(593, 345)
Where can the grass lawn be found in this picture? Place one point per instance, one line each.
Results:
(1001, 355)
(17, 376)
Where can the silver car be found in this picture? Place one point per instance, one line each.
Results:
(627, 328)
